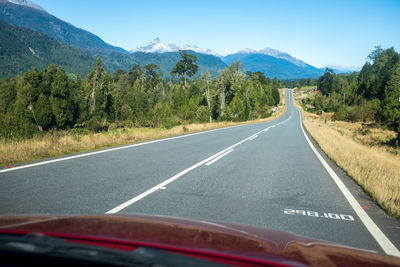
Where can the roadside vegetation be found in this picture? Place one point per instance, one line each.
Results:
(355, 119)
(59, 143)
(47, 113)
(372, 95)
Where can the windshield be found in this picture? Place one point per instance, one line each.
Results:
(283, 115)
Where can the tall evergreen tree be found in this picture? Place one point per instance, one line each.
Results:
(187, 66)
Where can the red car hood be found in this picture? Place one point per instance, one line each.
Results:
(195, 235)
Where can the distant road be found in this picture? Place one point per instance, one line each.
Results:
(263, 174)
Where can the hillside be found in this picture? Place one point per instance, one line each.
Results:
(23, 49)
(272, 66)
(113, 57)
(41, 21)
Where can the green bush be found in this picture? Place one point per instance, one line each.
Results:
(340, 114)
(97, 124)
(202, 114)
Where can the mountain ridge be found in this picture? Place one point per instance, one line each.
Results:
(273, 62)
(27, 3)
(274, 53)
(39, 20)
(113, 57)
(271, 66)
(156, 46)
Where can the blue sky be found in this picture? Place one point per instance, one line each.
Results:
(317, 32)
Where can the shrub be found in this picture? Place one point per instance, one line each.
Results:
(202, 114)
(97, 124)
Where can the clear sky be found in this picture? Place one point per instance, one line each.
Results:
(318, 32)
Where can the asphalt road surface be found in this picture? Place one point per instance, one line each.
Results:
(265, 174)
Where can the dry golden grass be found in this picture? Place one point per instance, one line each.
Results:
(62, 143)
(354, 148)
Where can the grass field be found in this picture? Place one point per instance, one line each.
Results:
(362, 151)
(64, 142)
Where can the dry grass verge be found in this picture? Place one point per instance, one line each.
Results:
(354, 147)
(62, 143)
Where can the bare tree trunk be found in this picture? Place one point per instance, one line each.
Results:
(30, 107)
(92, 95)
(184, 80)
(222, 106)
(222, 96)
(208, 100)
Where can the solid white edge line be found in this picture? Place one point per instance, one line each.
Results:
(112, 149)
(219, 157)
(379, 236)
(177, 176)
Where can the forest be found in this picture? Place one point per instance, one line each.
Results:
(50, 100)
(371, 95)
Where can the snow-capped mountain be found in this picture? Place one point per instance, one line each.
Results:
(27, 3)
(273, 62)
(156, 46)
(274, 53)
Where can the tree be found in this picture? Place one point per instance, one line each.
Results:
(152, 75)
(228, 83)
(95, 79)
(222, 96)
(53, 99)
(276, 96)
(384, 63)
(378, 50)
(237, 109)
(391, 103)
(43, 112)
(258, 76)
(325, 82)
(135, 73)
(8, 93)
(118, 74)
(186, 66)
(61, 102)
(206, 79)
(100, 99)
(81, 101)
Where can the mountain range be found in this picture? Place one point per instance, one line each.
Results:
(156, 46)
(274, 66)
(86, 46)
(37, 19)
(272, 62)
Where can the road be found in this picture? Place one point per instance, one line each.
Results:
(262, 174)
